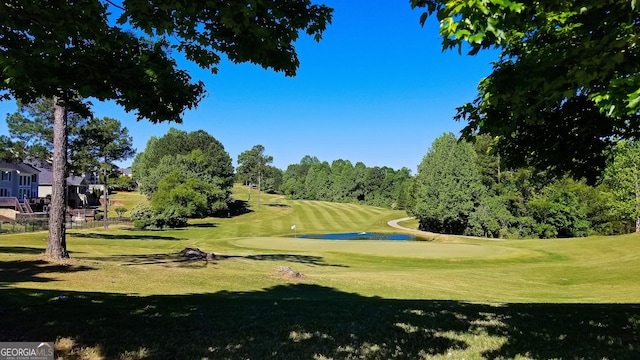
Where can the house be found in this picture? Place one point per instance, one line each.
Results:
(18, 180)
(77, 188)
(126, 172)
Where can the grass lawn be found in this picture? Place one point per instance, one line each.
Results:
(124, 199)
(126, 294)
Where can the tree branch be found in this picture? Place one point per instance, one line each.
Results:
(115, 5)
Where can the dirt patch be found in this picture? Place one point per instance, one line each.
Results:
(197, 254)
(287, 273)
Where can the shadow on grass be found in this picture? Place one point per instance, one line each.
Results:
(300, 259)
(175, 259)
(13, 272)
(305, 321)
(203, 225)
(20, 250)
(236, 208)
(278, 205)
(123, 236)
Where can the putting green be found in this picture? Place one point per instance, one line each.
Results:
(411, 249)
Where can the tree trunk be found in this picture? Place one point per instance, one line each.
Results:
(57, 242)
(105, 189)
(259, 180)
(636, 188)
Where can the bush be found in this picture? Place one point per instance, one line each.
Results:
(170, 217)
(138, 224)
(98, 216)
(143, 215)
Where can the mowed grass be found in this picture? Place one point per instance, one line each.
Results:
(125, 294)
(124, 199)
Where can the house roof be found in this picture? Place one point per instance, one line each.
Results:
(20, 168)
(76, 180)
(46, 178)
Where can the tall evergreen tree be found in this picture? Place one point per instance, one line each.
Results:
(447, 187)
(106, 141)
(31, 130)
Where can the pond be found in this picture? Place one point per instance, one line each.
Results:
(363, 236)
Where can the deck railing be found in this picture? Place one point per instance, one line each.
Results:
(26, 206)
(10, 202)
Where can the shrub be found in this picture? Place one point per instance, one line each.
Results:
(120, 210)
(170, 217)
(138, 224)
(144, 215)
(98, 216)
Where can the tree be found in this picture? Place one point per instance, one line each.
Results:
(558, 212)
(126, 183)
(11, 151)
(106, 141)
(93, 143)
(447, 187)
(68, 51)
(31, 128)
(272, 180)
(148, 166)
(253, 164)
(622, 176)
(491, 218)
(190, 186)
(566, 84)
(295, 176)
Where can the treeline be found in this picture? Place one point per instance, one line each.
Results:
(342, 181)
(462, 188)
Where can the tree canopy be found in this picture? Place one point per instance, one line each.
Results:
(54, 48)
(448, 186)
(566, 84)
(31, 134)
(155, 162)
(622, 176)
(190, 186)
(178, 165)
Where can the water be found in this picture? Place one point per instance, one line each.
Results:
(362, 236)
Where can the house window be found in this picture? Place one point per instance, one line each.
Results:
(4, 192)
(24, 193)
(33, 178)
(25, 180)
(6, 175)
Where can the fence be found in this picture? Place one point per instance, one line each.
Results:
(43, 224)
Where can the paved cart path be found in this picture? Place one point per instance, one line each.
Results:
(431, 235)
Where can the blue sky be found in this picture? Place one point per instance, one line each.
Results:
(377, 89)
